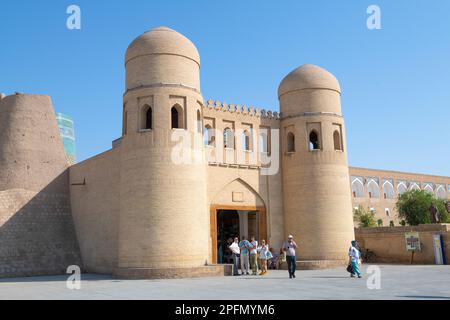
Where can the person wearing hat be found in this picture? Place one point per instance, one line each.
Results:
(289, 247)
(354, 255)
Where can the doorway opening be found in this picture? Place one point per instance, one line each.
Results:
(228, 223)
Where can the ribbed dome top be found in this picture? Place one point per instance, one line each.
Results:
(162, 40)
(308, 76)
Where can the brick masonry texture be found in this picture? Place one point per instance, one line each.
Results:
(36, 234)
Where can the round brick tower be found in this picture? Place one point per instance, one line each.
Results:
(37, 235)
(31, 152)
(317, 199)
(164, 223)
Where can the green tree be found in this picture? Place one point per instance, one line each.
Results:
(444, 216)
(414, 207)
(364, 218)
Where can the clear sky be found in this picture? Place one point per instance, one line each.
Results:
(395, 81)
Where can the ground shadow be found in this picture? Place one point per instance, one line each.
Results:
(39, 237)
(426, 297)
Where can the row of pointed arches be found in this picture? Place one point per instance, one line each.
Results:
(314, 141)
(177, 118)
(229, 139)
(387, 190)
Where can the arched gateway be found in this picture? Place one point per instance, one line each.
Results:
(237, 210)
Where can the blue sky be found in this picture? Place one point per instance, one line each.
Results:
(395, 81)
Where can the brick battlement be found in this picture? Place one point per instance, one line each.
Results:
(251, 111)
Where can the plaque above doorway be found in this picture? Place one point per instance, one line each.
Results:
(238, 197)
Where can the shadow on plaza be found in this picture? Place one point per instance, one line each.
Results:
(58, 278)
(426, 297)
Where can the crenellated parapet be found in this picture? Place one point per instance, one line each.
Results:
(241, 109)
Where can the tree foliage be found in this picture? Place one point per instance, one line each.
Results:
(414, 207)
(364, 218)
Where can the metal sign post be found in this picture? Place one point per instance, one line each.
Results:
(412, 243)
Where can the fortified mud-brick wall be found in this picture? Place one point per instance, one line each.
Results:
(243, 178)
(377, 191)
(36, 230)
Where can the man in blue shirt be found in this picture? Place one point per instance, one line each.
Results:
(245, 247)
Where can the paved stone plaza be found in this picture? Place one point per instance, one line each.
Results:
(397, 282)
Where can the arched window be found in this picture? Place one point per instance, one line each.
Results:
(314, 141)
(246, 140)
(148, 118)
(440, 192)
(388, 190)
(337, 141)
(290, 142)
(401, 188)
(357, 188)
(414, 186)
(176, 117)
(373, 189)
(199, 122)
(264, 140)
(228, 138)
(209, 136)
(428, 188)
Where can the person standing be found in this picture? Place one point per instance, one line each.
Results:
(235, 250)
(354, 256)
(289, 247)
(245, 245)
(265, 255)
(254, 256)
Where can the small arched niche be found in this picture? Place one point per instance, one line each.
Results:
(146, 118)
(177, 117)
(290, 142)
(337, 141)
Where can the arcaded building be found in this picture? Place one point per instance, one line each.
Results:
(188, 174)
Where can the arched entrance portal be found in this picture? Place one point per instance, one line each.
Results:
(228, 221)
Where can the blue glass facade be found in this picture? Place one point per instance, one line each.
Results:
(67, 130)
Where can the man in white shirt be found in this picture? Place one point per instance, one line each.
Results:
(235, 250)
(354, 255)
(289, 247)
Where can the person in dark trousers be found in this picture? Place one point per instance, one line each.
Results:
(234, 247)
(289, 247)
